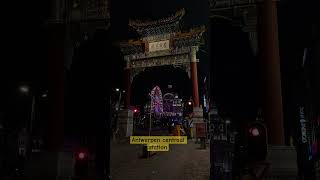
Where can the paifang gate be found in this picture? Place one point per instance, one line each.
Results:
(161, 43)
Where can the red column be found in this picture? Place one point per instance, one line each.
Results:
(127, 88)
(271, 72)
(194, 77)
(55, 136)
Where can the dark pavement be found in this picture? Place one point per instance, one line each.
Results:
(181, 162)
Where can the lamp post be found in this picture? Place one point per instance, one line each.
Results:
(120, 96)
(32, 114)
(150, 114)
(26, 90)
(145, 147)
(227, 123)
(119, 99)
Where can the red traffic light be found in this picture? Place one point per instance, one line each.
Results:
(257, 142)
(81, 155)
(189, 103)
(135, 110)
(254, 131)
(82, 162)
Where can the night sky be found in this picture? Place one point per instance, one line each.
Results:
(196, 12)
(23, 56)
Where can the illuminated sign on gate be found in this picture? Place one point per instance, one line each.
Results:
(159, 46)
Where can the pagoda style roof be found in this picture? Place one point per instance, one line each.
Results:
(147, 23)
(191, 38)
(193, 32)
(153, 27)
(132, 46)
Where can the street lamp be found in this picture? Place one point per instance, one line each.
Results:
(119, 100)
(26, 90)
(44, 95)
(227, 123)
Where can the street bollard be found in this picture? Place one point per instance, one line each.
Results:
(203, 143)
(145, 152)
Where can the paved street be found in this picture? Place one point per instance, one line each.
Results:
(182, 162)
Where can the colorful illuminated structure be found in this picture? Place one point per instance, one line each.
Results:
(156, 101)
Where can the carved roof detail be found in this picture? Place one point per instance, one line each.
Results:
(147, 24)
(147, 28)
